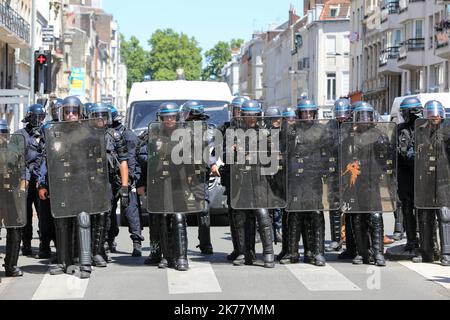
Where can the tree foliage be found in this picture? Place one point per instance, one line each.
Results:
(171, 51)
(218, 56)
(135, 58)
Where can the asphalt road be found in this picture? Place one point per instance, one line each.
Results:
(212, 277)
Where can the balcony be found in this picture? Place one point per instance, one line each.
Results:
(388, 61)
(411, 54)
(411, 9)
(14, 30)
(441, 44)
(392, 7)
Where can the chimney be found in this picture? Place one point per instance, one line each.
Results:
(292, 16)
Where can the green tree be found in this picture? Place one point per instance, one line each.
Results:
(135, 58)
(171, 51)
(217, 57)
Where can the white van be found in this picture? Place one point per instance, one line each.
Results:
(146, 97)
(443, 97)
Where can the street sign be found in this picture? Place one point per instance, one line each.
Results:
(48, 35)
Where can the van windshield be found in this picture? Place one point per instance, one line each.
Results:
(142, 113)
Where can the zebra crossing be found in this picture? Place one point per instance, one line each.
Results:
(213, 277)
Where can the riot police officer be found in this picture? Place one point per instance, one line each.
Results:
(67, 250)
(132, 210)
(117, 154)
(13, 236)
(343, 113)
(410, 110)
(310, 225)
(196, 112)
(368, 228)
(235, 112)
(245, 220)
(173, 228)
(435, 113)
(274, 121)
(34, 118)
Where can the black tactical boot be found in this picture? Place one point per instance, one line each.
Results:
(410, 226)
(204, 232)
(112, 245)
(239, 222)
(13, 238)
(377, 236)
(399, 229)
(26, 248)
(444, 235)
(45, 251)
(137, 249)
(318, 228)
(180, 242)
(266, 232)
(336, 228)
(64, 237)
(360, 232)
(285, 237)
(350, 246)
(98, 224)
(293, 240)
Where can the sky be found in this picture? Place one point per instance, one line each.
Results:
(206, 20)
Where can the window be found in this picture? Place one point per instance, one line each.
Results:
(345, 83)
(331, 46)
(331, 86)
(334, 11)
(418, 31)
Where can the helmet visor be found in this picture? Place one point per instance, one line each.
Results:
(364, 116)
(70, 113)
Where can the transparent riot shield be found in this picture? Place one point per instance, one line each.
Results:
(257, 154)
(432, 166)
(177, 167)
(368, 167)
(313, 172)
(13, 185)
(77, 168)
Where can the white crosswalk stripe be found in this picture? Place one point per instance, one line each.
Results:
(434, 272)
(199, 279)
(61, 287)
(321, 278)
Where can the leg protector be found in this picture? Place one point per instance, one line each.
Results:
(336, 228)
(165, 242)
(64, 237)
(239, 218)
(318, 229)
(444, 233)
(84, 238)
(360, 233)
(266, 233)
(204, 231)
(180, 241)
(13, 238)
(377, 238)
(294, 232)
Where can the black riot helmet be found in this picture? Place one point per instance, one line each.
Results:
(411, 109)
(54, 108)
(4, 128)
(35, 115)
(236, 105)
(194, 111)
(71, 109)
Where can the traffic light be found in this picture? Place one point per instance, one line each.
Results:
(43, 71)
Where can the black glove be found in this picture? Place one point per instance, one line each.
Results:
(124, 195)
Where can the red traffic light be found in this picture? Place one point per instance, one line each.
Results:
(41, 59)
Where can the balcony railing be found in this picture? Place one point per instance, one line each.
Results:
(14, 22)
(416, 44)
(388, 54)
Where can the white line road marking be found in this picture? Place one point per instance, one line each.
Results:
(199, 279)
(61, 287)
(6, 282)
(321, 278)
(434, 272)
